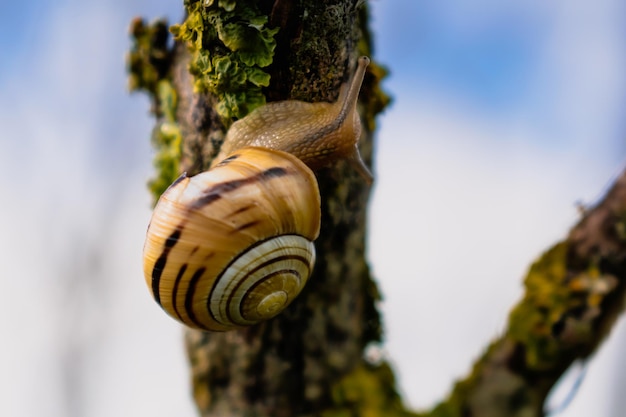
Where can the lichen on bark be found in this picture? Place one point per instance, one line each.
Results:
(230, 44)
(573, 295)
(149, 63)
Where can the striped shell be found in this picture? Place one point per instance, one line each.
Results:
(233, 246)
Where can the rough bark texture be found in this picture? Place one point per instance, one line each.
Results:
(310, 359)
(287, 366)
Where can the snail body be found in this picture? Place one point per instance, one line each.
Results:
(233, 246)
(317, 133)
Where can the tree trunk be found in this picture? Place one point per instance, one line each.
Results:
(310, 360)
(294, 364)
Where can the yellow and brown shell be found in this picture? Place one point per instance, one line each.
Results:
(233, 246)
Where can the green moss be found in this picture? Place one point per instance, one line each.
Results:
(449, 408)
(368, 391)
(546, 300)
(378, 98)
(149, 58)
(230, 44)
(149, 63)
(167, 140)
(558, 309)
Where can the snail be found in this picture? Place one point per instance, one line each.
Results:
(233, 246)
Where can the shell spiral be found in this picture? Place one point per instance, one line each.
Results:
(233, 246)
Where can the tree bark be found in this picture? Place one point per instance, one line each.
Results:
(289, 365)
(574, 293)
(294, 364)
(310, 360)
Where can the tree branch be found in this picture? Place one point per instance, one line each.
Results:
(573, 295)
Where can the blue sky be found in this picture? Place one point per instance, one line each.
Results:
(506, 59)
(505, 114)
(489, 60)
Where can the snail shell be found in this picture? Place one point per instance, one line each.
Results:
(233, 246)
